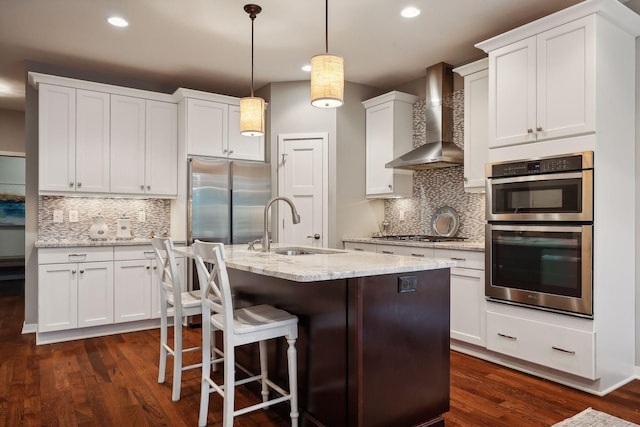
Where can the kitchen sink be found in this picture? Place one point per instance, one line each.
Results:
(304, 251)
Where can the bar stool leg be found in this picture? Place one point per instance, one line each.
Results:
(264, 369)
(162, 365)
(206, 370)
(293, 380)
(177, 358)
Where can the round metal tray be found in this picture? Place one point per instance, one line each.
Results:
(445, 222)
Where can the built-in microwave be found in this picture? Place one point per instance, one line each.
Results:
(539, 236)
(543, 266)
(543, 189)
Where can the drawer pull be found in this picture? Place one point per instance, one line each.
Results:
(418, 255)
(70, 255)
(81, 271)
(509, 337)
(358, 249)
(458, 259)
(388, 252)
(563, 350)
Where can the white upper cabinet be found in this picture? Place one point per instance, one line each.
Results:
(97, 138)
(144, 146)
(240, 146)
(543, 87)
(207, 128)
(161, 148)
(73, 140)
(476, 123)
(127, 144)
(212, 124)
(389, 134)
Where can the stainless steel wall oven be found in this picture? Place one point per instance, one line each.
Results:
(539, 236)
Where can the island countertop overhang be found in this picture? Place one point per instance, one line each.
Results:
(320, 266)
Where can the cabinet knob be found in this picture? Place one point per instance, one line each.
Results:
(79, 184)
(148, 268)
(73, 272)
(225, 151)
(539, 129)
(142, 188)
(230, 151)
(81, 271)
(148, 187)
(529, 130)
(390, 187)
(71, 184)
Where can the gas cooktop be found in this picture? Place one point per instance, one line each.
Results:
(419, 238)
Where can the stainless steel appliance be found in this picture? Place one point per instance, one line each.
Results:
(226, 201)
(545, 189)
(539, 236)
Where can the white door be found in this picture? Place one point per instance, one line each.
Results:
(303, 177)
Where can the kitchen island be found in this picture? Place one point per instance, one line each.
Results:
(373, 347)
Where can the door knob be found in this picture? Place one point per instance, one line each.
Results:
(315, 236)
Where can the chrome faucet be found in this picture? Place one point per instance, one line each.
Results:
(294, 216)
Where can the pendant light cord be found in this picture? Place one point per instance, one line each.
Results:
(326, 26)
(253, 17)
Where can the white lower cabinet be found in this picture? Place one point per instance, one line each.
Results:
(75, 288)
(468, 306)
(137, 293)
(565, 349)
(415, 251)
(155, 287)
(361, 247)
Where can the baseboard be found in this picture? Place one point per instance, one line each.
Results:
(29, 328)
(97, 331)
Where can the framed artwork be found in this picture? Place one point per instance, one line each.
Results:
(12, 204)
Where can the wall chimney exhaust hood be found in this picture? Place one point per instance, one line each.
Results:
(439, 150)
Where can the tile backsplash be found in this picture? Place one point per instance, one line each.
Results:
(435, 188)
(157, 214)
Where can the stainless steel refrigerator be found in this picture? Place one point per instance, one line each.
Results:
(226, 200)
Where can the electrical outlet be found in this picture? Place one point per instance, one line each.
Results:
(57, 215)
(142, 216)
(407, 284)
(73, 216)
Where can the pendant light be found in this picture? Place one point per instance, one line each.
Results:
(327, 74)
(251, 107)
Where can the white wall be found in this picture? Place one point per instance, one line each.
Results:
(290, 111)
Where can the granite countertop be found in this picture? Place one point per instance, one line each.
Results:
(94, 243)
(460, 245)
(321, 266)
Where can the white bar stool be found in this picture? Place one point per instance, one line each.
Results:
(183, 304)
(242, 326)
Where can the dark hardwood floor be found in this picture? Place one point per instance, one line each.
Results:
(112, 381)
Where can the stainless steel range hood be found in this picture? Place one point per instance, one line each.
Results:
(439, 151)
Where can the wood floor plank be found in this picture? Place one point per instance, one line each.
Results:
(112, 381)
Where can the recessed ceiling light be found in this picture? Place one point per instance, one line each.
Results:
(410, 12)
(306, 68)
(117, 21)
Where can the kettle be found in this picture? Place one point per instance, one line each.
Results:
(98, 229)
(124, 228)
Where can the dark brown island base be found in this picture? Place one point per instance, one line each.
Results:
(373, 347)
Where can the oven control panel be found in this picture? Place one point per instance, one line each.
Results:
(537, 166)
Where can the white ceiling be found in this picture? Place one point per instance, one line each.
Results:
(206, 44)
